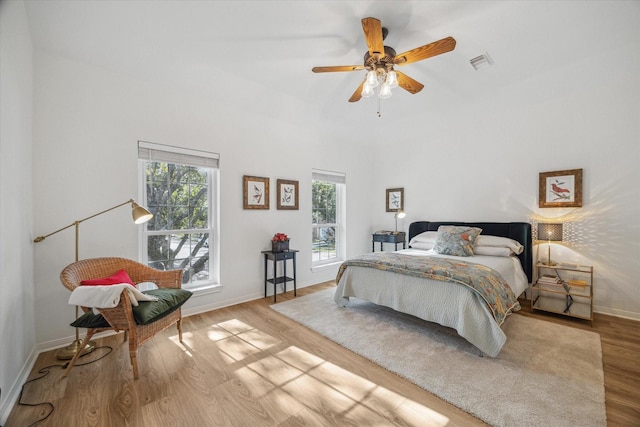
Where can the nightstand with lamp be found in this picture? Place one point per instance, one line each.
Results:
(394, 237)
(571, 295)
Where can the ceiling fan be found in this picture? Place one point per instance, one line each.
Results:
(379, 61)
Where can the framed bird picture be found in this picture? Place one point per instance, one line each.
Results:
(256, 192)
(560, 189)
(287, 192)
(395, 199)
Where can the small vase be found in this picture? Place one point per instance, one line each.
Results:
(280, 246)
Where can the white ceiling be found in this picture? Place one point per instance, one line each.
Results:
(243, 48)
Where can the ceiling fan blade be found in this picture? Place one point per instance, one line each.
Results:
(357, 94)
(427, 51)
(337, 68)
(408, 84)
(373, 36)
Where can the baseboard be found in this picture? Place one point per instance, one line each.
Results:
(191, 310)
(11, 396)
(616, 313)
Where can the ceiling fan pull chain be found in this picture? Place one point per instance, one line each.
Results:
(379, 113)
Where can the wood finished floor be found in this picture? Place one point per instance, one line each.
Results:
(247, 365)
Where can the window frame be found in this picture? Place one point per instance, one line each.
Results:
(148, 151)
(339, 179)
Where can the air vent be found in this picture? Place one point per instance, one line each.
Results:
(480, 62)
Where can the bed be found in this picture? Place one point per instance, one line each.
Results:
(433, 298)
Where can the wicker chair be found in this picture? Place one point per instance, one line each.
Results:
(121, 318)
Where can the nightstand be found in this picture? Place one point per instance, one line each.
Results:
(388, 237)
(565, 289)
(275, 257)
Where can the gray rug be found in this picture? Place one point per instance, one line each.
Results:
(545, 375)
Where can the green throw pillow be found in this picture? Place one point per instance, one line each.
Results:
(169, 300)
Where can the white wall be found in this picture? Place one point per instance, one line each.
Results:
(17, 320)
(88, 122)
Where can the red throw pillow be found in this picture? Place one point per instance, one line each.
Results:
(118, 278)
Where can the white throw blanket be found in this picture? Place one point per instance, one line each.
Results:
(106, 296)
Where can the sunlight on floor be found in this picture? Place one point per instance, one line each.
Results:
(302, 385)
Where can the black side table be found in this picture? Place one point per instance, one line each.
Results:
(389, 237)
(275, 257)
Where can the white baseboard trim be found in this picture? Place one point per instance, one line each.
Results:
(11, 398)
(616, 313)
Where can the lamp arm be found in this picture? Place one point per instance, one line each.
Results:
(77, 222)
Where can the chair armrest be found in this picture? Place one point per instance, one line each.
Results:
(162, 278)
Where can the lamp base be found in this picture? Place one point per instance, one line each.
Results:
(69, 351)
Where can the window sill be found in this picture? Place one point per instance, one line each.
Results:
(204, 289)
(321, 267)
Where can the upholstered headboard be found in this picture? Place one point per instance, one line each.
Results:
(519, 231)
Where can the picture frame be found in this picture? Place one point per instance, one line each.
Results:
(395, 199)
(560, 189)
(287, 192)
(256, 192)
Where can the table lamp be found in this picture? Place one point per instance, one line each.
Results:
(552, 233)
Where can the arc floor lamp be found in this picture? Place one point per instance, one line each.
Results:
(140, 216)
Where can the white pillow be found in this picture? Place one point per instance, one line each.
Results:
(501, 242)
(422, 245)
(492, 251)
(425, 237)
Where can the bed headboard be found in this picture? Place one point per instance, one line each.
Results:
(519, 231)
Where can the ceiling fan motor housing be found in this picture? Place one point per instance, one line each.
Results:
(384, 61)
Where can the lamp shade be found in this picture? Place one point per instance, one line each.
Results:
(140, 214)
(550, 232)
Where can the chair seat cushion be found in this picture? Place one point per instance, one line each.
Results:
(169, 300)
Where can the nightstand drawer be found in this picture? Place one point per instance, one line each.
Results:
(389, 238)
(284, 255)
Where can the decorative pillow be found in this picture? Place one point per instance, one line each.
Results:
(456, 240)
(502, 242)
(169, 300)
(116, 279)
(90, 320)
(491, 251)
(425, 237)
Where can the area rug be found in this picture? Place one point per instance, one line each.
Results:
(545, 375)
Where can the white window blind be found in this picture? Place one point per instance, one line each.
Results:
(183, 156)
(335, 177)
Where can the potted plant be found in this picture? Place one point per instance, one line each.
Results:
(280, 242)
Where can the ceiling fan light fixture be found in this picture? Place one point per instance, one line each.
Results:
(372, 79)
(367, 91)
(385, 91)
(392, 79)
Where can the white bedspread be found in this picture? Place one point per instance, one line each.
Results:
(448, 304)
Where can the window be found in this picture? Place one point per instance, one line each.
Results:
(179, 189)
(328, 214)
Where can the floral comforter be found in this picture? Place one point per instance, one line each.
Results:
(483, 280)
